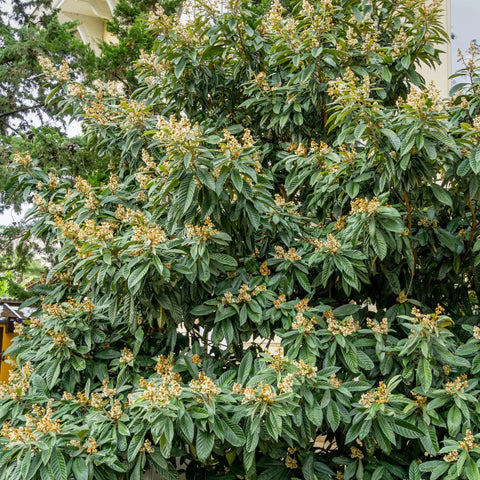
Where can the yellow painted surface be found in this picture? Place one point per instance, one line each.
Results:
(5, 368)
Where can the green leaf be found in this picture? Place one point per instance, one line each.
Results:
(137, 275)
(454, 420)
(406, 429)
(307, 468)
(58, 465)
(414, 471)
(189, 193)
(379, 244)
(206, 178)
(180, 67)
(424, 373)
(474, 160)
(187, 426)
(224, 259)
(303, 280)
(471, 469)
(135, 445)
(80, 468)
(393, 137)
(442, 195)
(78, 363)
(233, 433)
(444, 138)
(244, 368)
(204, 444)
(333, 416)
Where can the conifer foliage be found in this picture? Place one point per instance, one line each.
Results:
(279, 176)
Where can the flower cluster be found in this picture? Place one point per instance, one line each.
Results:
(244, 294)
(75, 90)
(305, 369)
(290, 206)
(264, 270)
(279, 301)
(278, 361)
(91, 446)
(348, 87)
(427, 321)
(457, 386)
(376, 327)
(262, 394)
(363, 205)
(70, 307)
(151, 235)
(426, 223)
(127, 356)
(285, 385)
(476, 332)
(41, 419)
(402, 297)
(17, 384)
(430, 99)
(273, 18)
(346, 327)
(334, 381)
(61, 73)
(178, 135)
(204, 386)
(380, 395)
(159, 395)
(420, 400)
(25, 160)
(147, 447)
(38, 422)
(303, 323)
(60, 338)
(331, 245)
(233, 146)
(202, 233)
(290, 463)
(356, 453)
(468, 443)
(292, 255)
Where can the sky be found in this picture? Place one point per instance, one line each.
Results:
(465, 17)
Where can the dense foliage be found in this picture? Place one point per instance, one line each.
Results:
(279, 176)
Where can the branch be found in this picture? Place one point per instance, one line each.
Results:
(20, 110)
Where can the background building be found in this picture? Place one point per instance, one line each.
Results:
(92, 15)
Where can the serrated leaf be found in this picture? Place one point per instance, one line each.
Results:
(333, 416)
(234, 433)
(206, 178)
(474, 160)
(189, 194)
(393, 137)
(204, 444)
(414, 471)
(137, 275)
(244, 368)
(224, 259)
(442, 195)
(379, 244)
(303, 280)
(424, 373)
(187, 426)
(58, 465)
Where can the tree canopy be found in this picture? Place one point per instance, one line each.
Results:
(279, 175)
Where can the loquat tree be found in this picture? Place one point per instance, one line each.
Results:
(279, 278)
